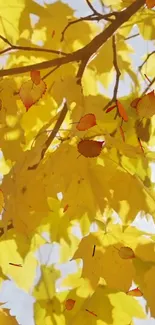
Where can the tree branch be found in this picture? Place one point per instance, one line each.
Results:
(91, 17)
(81, 70)
(95, 12)
(132, 36)
(148, 87)
(53, 134)
(27, 48)
(148, 56)
(114, 98)
(86, 51)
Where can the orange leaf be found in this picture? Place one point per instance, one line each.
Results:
(110, 109)
(86, 122)
(150, 3)
(90, 148)
(91, 312)
(122, 111)
(135, 293)
(146, 106)
(35, 77)
(122, 133)
(126, 253)
(135, 102)
(31, 93)
(69, 304)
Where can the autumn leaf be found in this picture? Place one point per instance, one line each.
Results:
(6, 318)
(146, 105)
(30, 92)
(122, 111)
(69, 304)
(35, 77)
(90, 148)
(87, 121)
(110, 108)
(126, 253)
(150, 3)
(135, 293)
(134, 103)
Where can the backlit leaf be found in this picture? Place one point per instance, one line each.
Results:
(30, 92)
(150, 3)
(90, 148)
(126, 253)
(110, 109)
(134, 103)
(146, 105)
(86, 122)
(35, 77)
(122, 111)
(69, 304)
(135, 293)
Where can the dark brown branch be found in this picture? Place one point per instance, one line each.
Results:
(95, 12)
(87, 18)
(27, 48)
(115, 63)
(148, 56)
(53, 134)
(81, 70)
(87, 50)
(92, 17)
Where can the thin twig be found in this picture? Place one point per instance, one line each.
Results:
(118, 73)
(132, 36)
(50, 72)
(52, 135)
(88, 50)
(95, 12)
(148, 87)
(148, 56)
(27, 48)
(91, 17)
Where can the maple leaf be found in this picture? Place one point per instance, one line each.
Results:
(150, 3)
(69, 304)
(90, 148)
(122, 111)
(31, 92)
(87, 121)
(145, 106)
(6, 318)
(126, 253)
(35, 77)
(135, 293)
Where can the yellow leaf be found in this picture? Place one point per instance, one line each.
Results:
(6, 318)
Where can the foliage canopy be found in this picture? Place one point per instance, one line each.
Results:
(73, 159)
